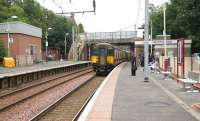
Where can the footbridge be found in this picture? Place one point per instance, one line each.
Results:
(125, 40)
(118, 38)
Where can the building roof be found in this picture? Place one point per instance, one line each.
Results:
(21, 28)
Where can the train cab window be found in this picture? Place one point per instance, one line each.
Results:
(95, 51)
(103, 51)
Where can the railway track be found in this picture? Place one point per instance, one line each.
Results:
(14, 105)
(70, 106)
(14, 97)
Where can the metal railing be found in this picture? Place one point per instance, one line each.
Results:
(110, 35)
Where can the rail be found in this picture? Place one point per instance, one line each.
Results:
(29, 90)
(57, 102)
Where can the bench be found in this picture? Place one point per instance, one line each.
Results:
(197, 86)
(188, 83)
(194, 75)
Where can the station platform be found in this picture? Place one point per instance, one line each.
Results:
(122, 97)
(36, 67)
(13, 78)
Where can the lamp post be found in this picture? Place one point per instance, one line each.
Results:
(165, 39)
(151, 37)
(8, 31)
(66, 34)
(46, 42)
(164, 29)
(146, 42)
(73, 44)
(151, 27)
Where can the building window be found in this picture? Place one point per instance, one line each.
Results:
(33, 49)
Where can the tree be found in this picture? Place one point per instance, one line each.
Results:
(61, 26)
(30, 11)
(80, 28)
(156, 17)
(188, 16)
(182, 20)
(3, 11)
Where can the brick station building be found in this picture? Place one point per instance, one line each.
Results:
(25, 41)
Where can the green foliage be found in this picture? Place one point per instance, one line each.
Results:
(80, 28)
(30, 11)
(182, 20)
(157, 22)
(3, 10)
(60, 26)
(2, 50)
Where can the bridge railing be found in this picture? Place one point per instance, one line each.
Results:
(110, 35)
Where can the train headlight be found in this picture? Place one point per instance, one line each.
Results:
(94, 59)
(110, 59)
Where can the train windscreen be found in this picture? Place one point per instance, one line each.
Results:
(103, 52)
(95, 51)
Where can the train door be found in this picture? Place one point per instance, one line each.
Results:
(111, 56)
(102, 55)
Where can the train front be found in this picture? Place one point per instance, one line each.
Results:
(102, 57)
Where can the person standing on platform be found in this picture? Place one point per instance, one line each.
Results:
(142, 60)
(133, 60)
(133, 65)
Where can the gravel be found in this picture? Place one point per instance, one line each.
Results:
(27, 109)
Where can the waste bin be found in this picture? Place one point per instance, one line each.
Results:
(166, 64)
(8, 62)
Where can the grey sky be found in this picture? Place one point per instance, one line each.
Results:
(111, 15)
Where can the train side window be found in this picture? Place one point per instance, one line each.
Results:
(110, 51)
(116, 54)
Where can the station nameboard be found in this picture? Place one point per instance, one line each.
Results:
(160, 42)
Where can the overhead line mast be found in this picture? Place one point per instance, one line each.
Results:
(84, 11)
(146, 42)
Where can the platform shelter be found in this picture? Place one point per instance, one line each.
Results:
(178, 54)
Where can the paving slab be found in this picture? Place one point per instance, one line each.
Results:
(190, 98)
(157, 100)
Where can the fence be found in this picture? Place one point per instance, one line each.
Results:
(24, 60)
(111, 35)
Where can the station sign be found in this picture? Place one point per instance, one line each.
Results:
(162, 42)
